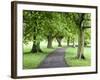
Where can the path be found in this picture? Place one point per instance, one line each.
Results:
(55, 59)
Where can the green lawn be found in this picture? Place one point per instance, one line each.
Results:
(72, 61)
(32, 60)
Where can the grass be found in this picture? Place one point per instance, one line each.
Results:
(33, 60)
(74, 62)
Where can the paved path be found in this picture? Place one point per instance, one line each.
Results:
(55, 59)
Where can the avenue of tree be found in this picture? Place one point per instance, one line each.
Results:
(43, 25)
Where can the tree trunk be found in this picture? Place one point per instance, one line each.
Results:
(73, 43)
(36, 48)
(68, 39)
(80, 54)
(36, 45)
(59, 41)
(50, 39)
(85, 43)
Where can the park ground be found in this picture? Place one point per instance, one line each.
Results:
(34, 60)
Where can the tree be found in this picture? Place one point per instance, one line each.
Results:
(32, 30)
(80, 20)
(71, 29)
(40, 25)
(55, 26)
(65, 27)
(49, 28)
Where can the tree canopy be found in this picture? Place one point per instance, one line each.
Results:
(46, 25)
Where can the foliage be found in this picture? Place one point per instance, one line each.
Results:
(46, 25)
(55, 23)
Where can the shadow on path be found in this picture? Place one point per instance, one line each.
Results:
(55, 59)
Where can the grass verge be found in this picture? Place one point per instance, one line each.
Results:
(32, 60)
(74, 62)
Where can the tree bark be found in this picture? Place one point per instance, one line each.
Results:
(80, 52)
(36, 48)
(59, 39)
(68, 39)
(85, 43)
(36, 44)
(50, 39)
(73, 43)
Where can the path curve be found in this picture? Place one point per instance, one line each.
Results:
(55, 59)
